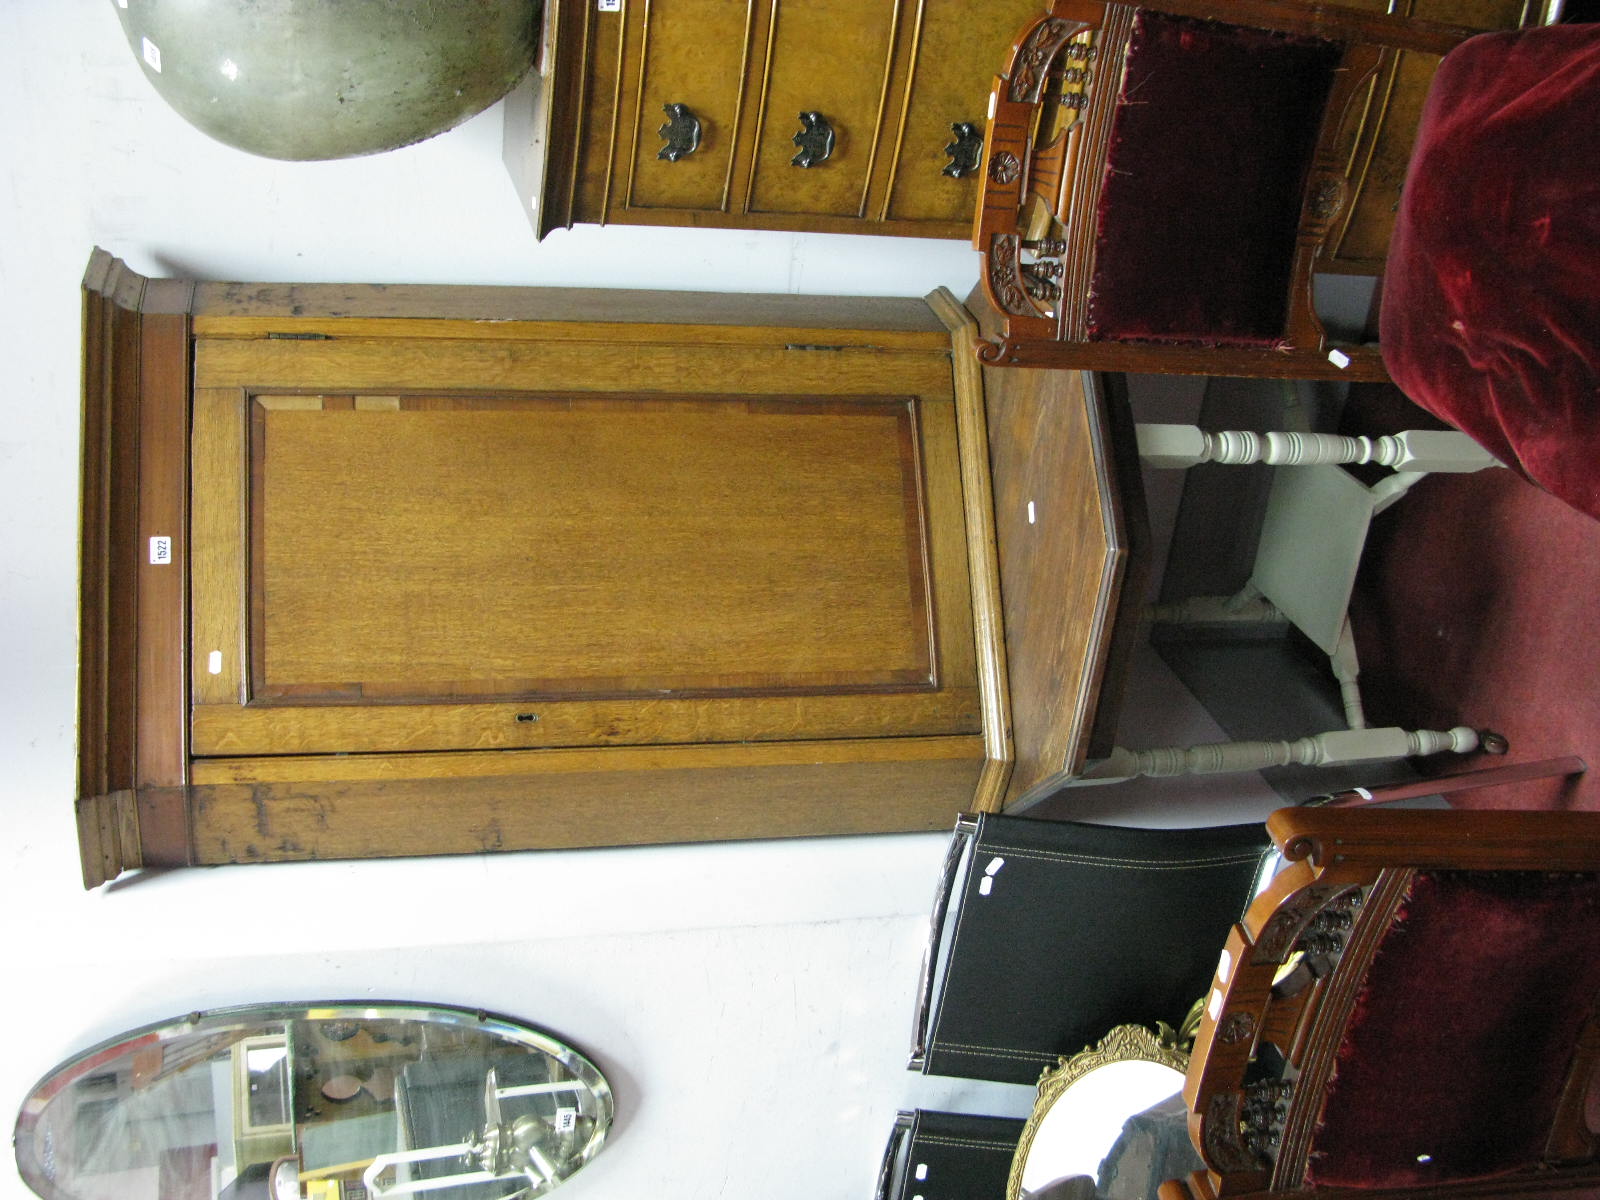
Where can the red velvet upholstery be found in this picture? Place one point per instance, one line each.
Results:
(1491, 304)
(1210, 143)
(1462, 1037)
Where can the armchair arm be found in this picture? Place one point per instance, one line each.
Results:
(1214, 1088)
(1503, 839)
(1239, 1109)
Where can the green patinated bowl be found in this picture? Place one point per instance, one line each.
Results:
(320, 79)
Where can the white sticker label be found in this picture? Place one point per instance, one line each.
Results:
(994, 866)
(922, 1170)
(214, 662)
(161, 551)
(152, 55)
(986, 885)
(610, 5)
(1339, 358)
(566, 1120)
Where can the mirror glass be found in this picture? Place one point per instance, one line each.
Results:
(1109, 1123)
(315, 1102)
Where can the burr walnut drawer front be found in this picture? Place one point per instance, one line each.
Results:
(831, 115)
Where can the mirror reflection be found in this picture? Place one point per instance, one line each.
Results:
(326, 1102)
(1109, 1124)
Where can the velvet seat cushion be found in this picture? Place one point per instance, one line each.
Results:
(1491, 304)
(1210, 143)
(1462, 1036)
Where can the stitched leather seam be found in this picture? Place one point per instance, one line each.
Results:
(976, 1049)
(1008, 1147)
(1111, 863)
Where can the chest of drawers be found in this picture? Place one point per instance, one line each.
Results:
(831, 116)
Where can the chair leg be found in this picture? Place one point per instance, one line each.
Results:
(1336, 747)
(1347, 671)
(1417, 451)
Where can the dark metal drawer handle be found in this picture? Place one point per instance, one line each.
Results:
(965, 151)
(815, 140)
(682, 132)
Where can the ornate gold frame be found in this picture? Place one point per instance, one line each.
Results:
(1125, 1043)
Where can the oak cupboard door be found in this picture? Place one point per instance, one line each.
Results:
(439, 571)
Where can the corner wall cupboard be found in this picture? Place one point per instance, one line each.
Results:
(374, 571)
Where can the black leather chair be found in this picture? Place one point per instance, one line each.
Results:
(948, 1156)
(1046, 934)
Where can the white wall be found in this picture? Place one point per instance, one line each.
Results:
(749, 1002)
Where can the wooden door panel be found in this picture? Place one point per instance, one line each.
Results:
(427, 571)
(546, 547)
(832, 57)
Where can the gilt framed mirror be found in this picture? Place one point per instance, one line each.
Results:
(1109, 1122)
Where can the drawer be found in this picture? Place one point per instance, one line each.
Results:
(959, 47)
(832, 57)
(693, 55)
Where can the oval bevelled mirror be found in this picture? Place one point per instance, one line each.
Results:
(315, 1102)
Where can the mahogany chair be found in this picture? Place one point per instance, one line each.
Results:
(1157, 183)
(1411, 1008)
